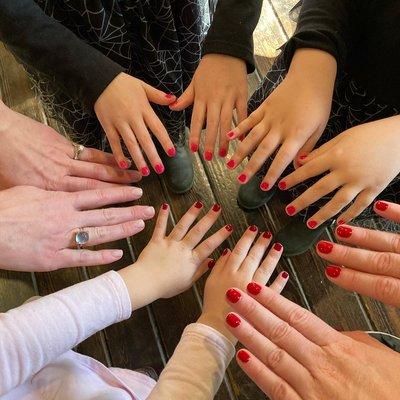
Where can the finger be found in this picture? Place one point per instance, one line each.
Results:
(86, 258)
(98, 157)
(196, 124)
(265, 270)
(362, 201)
(308, 147)
(373, 262)
(325, 148)
(280, 282)
(241, 108)
(99, 198)
(74, 184)
(158, 96)
(383, 288)
(213, 114)
(388, 210)
(206, 265)
(184, 100)
(225, 126)
(246, 125)
(240, 251)
(256, 253)
(115, 144)
(160, 229)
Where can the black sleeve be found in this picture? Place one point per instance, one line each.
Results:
(47, 46)
(231, 31)
(325, 25)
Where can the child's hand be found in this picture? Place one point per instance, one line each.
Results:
(361, 162)
(293, 117)
(237, 268)
(169, 265)
(218, 87)
(124, 112)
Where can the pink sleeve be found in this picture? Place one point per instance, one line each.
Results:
(38, 332)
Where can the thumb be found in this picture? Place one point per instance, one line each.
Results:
(158, 96)
(185, 100)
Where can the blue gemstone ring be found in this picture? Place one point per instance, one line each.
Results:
(81, 238)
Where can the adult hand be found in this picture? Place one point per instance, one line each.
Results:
(124, 112)
(237, 268)
(294, 355)
(355, 163)
(374, 268)
(293, 117)
(171, 264)
(35, 154)
(38, 228)
(219, 85)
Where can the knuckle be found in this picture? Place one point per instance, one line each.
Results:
(107, 215)
(384, 262)
(99, 233)
(238, 250)
(387, 288)
(125, 230)
(298, 316)
(280, 331)
(395, 243)
(279, 391)
(275, 357)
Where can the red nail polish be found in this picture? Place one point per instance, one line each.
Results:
(312, 224)
(159, 168)
(341, 222)
(145, 171)
(171, 152)
(254, 288)
(284, 275)
(302, 157)
(290, 210)
(229, 227)
(381, 205)
(333, 271)
(253, 228)
(267, 235)
(169, 95)
(264, 186)
(123, 165)
(174, 103)
(231, 164)
(211, 264)
(230, 134)
(198, 204)
(165, 206)
(194, 147)
(344, 231)
(243, 356)
(232, 320)
(241, 138)
(216, 207)
(208, 155)
(242, 178)
(233, 295)
(282, 185)
(278, 246)
(324, 247)
(222, 152)
(225, 252)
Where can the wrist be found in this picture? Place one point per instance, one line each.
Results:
(217, 322)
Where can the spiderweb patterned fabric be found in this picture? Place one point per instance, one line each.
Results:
(351, 106)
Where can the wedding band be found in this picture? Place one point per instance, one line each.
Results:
(78, 149)
(81, 238)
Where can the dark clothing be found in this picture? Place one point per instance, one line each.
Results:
(363, 36)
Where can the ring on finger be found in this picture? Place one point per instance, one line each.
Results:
(81, 238)
(78, 149)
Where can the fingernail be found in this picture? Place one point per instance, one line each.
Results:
(229, 227)
(222, 152)
(284, 275)
(165, 206)
(344, 231)
(225, 252)
(159, 168)
(171, 152)
(145, 171)
(282, 185)
(254, 288)
(230, 134)
(232, 320)
(139, 224)
(123, 164)
(341, 222)
(278, 246)
(208, 155)
(264, 186)
(117, 253)
(290, 210)
(233, 295)
(253, 228)
(169, 95)
(302, 157)
(216, 207)
(267, 235)
(194, 147)
(241, 137)
(230, 164)
(174, 103)
(149, 212)
(211, 264)
(333, 271)
(324, 247)
(242, 178)
(198, 204)
(381, 205)
(243, 356)
(312, 224)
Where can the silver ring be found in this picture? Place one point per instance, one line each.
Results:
(81, 238)
(78, 149)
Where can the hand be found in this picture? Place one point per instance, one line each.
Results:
(293, 117)
(35, 154)
(244, 264)
(294, 355)
(219, 85)
(124, 111)
(360, 166)
(372, 270)
(37, 228)
(169, 265)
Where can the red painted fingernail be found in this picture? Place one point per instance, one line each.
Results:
(233, 295)
(243, 356)
(282, 185)
(222, 152)
(341, 222)
(230, 134)
(211, 264)
(231, 164)
(194, 147)
(123, 165)
(333, 271)
(267, 235)
(229, 227)
(225, 252)
(165, 206)
(278, 246)
(254, 288)
(171, 152)
(216, 207)
(324, 247)
(174, 103)
(264, 186)
(302, 157)
(208, 155)
(159, 168)
(344, 231)
(381, 205)
(284, 275)
(253, 228)
(242, 178)
(241, 138)
(169, 95)
(198, 204)
(290, 210)
(312, 224)
(232, 320)
(145, 171)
